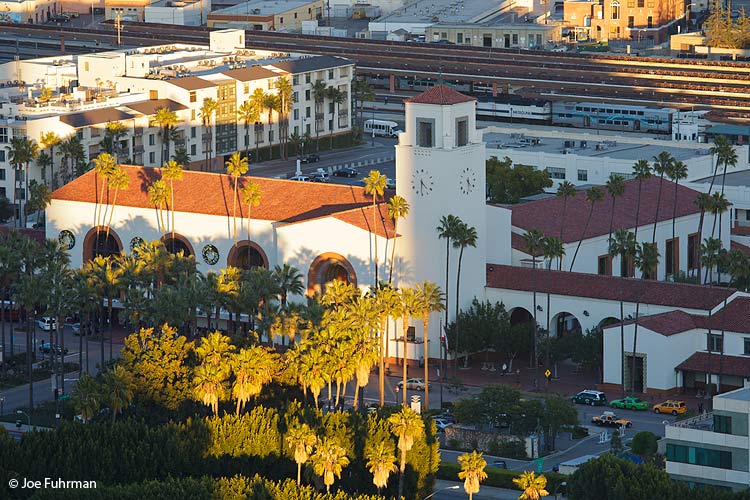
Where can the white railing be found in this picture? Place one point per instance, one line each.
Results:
(693, 421)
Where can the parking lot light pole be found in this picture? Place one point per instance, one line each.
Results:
(28, 418)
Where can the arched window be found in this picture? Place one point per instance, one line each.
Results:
(98, 242)
(246, 255)
(329, 267)
(177, 244)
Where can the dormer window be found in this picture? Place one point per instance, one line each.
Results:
(425, 132)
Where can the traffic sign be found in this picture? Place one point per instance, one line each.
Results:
(539, 462)
(64, 397)
(547, 373)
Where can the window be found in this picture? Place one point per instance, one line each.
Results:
(2, 155)
(331, 107)
(425, 133)
(693, 251)
(444, 35)
(583, 175)
(152, 157)
(330, 74)
(514, 39)
(459, 38)
(192, 150)
(192, 132)
(650, 22)
(193, 97)
(307, 77)
(307, 112)
(330, 125)
(462, 132)
(281, 20)
(556, 172)
(3, 135)
(672, 256)
(192, 115)
(615, 10)
(295, 15)
(631, 21)
(699, 456)
(641, 3)
(722, 424)
(151, 139)
(2, 174)
(715, 343)
(295, 96)
(746, 342)
(296, 114)
(270, 135)
(604, 266)
(307, 94)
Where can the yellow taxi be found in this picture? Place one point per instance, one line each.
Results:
(671, 406)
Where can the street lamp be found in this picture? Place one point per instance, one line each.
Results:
(563, 485)
(454, 487)
(28, 419)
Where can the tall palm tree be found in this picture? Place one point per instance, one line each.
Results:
(405, 308)
(615, 188)
(329, 461)
(381, 460)
(662, 164)
(336, 97)
(209, 385)
(257, 103)
(319, 94)
(119, 180)
(113, 132)
(721, 150)
(362, 92)
(22, 152)
(398, 208)
(719, 205)
(552, 248)
(289, 280)
(251, 195)
(50, 140)
(166, 119)
(646, 261)
(206, 114)
(236, 167)
(375, 184)
(407, 426)
(119, 389)
(270, 104)
(172, 171)
(472, 471)
(253, 368)
(104, 165)
(430, 299)
(73, 155)
(158, 195)
(677, 172)
(300, 440)
(285, 100)
(531, 485)
(565, 190)
(447, 230)
(534, 245)
(641, 172)
(465, 236)
(623, 245)
(387, 302)
(593, 196)
(87, 397)
(248, 113)
(710, 250)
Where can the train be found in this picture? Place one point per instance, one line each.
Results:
(579, 114)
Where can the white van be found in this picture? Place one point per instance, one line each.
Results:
(382, 128)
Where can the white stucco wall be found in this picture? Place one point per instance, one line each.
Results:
(498, 235)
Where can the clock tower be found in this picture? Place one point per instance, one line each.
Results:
(440, 171)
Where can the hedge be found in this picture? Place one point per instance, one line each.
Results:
(498, 478)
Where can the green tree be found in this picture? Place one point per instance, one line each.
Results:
(641, 172)
(270, 104)
(662, 164)
(405, 308)
(447, 230)
(319, 94)
(593, 196)
(166, 119)
(248, 113)
(300, 440)
(87, 397)
(398, 208)
(329, 461)
(408, 427)
(381, 461)
(206, 113)
(253, 368)
(119, 181)
(50, 140)
(22, 152)
(559, 414)
(289, 281)
(337, 97)
(552, 248)
(257, 101)
(644, 444)
(646, 261)
(236, 167)
(158, 195)
(39, 199)
(534, 245)
(472, 471)
(251, 196)
(118, 389)
(209, 385)
(105, 166)
(285, 101)
(375, 184)
(615, 188)
(565, 190)
(677, 172)
(170, 172)
(508, 183)
(430, 299)
(465, 236)
(532, 486)
(623, 245)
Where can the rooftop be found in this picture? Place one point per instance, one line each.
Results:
(208, 193)
(442, 95)
(443, 11)
(741, 178)
(262, 7)
(605, 287)
(545, 214)
(738, 366)
(315, 63)
(742, 394)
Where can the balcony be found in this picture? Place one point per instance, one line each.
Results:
(704, 422)
(700, 430)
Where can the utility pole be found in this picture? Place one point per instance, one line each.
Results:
(118, 25)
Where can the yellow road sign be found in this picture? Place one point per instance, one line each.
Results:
(547, 373)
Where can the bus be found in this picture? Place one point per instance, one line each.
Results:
(382, 128)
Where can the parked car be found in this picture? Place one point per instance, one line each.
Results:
(312, 158)
(46, 348)
(671, 406)
(609, 419)
(413, 383)
(390, 183)
(629, 403)
(442, 424)
(301, 178)
(346, 172)
(498, 464)
(320, 175)
(46, 323)
(76, 327)
(73, 15)
(590, 397)
(59, 19)
(447, 417)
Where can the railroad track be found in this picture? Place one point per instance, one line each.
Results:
(693, 82)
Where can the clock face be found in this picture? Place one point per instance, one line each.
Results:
(468, 181)
(421, 182)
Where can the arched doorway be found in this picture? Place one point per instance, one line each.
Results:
(98, 242)
(564, 323)
(177, 244)
(329, 267)
(246, 255)
(519, 316)
(607, 322)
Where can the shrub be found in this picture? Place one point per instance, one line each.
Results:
(644, 444)
(579, 432)
(498, 478)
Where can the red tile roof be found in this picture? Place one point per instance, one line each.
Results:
(711, 363)
(606, 287)
(210, 193)
(546, 214)
(669, 323)
(733, 318)
(37, 235)
(517, 243)
(741, 230)
(739, 246)
(440, 94)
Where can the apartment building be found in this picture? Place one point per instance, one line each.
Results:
(29, 11)
(128, 87)
(713, 448)
(267, 14)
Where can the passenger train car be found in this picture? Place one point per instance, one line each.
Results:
(613, 117)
